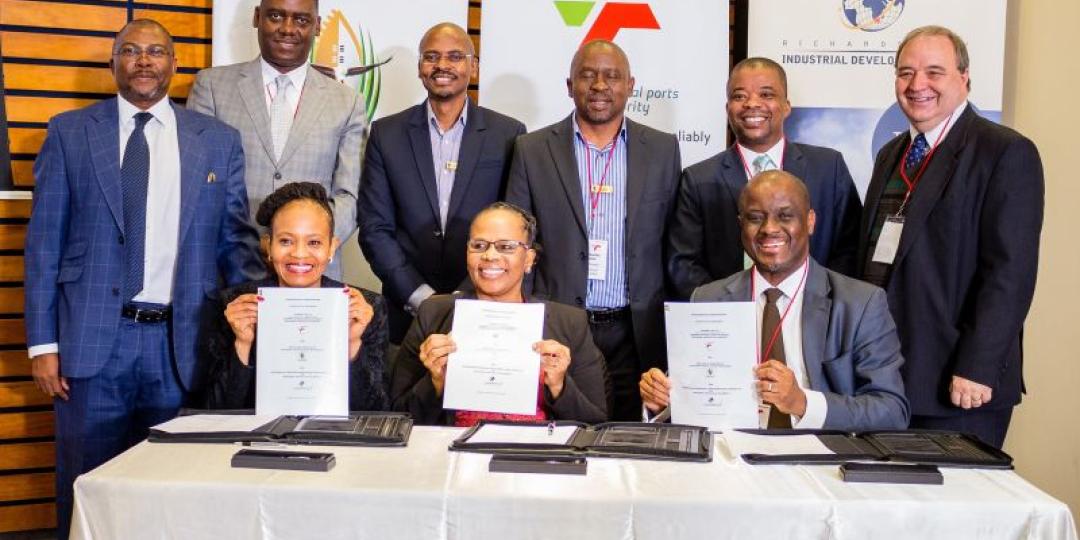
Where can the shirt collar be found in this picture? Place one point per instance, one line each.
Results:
(162, 111)
(297, 75)
(463, 118)
(776, 153)
(935, 135)
(789, 286)
(577, 129)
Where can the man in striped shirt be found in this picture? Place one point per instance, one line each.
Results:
(602, 188)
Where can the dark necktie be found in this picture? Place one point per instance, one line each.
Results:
(134, 177)
(770, 322)
(918, 151)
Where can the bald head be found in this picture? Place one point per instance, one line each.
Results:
(452, 32)
(776, 180)
(599, 46)
(144, 24)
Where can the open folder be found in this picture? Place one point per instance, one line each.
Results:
(358, 429)
(672, 442)
(810, 447)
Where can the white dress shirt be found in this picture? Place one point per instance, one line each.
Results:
(292, 93)
(816, 407)
(162, 203)
(935, 135)
(776, 154)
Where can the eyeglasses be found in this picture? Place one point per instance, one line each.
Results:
(506, 247)
(454, 57)
(156, 52)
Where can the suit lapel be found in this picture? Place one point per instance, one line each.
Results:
(472, 141)
(561, 146)
(251, 94)
(794, 161)
(420, 139)
(732, 172)
(104, 141)
(932, 183)
(307, 112)
(637, 172)
(815, 324)
(192, 164)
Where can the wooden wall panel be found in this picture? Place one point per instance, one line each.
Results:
(77, 79)
(194, 25)
(22, 172)
(25, 140)
(12, 299)
(22, 394)
(14, 364)
(68, 15)
(40, 110)
(11, 268)
(27, 455)
(26, 425)
(12, 331)
(27, 517)
(27, 486)
(15, 208)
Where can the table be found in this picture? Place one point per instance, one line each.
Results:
(189, 491)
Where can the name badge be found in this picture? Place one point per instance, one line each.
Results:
(763, 410)
(605, 189)
(889, 240)
(451, 166)
(598, 259)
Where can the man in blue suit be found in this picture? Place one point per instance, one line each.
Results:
(833, 359)
(427, 171)
(140, 213)
(703, 238)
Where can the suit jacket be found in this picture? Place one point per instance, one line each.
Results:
(964, 272)
(544, 180)
(400, 231)
(850, 349)
(324, 144)
(231, 385)
(75, 241)
(584, 394)
(704, 242)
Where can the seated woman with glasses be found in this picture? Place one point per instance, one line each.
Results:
(573, 378)
(301, 244)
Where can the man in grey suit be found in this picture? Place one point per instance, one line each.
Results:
(839, 366)
(602, 189)
(296, 123)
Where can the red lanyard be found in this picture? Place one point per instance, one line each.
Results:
(780, 166)
(911, 183)
(594, 193)
(764, 354)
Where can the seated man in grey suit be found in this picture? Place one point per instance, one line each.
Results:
(295, 122)
(839, 366)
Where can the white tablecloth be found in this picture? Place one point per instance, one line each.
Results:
(189, 491)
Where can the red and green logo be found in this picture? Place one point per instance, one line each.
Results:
(613, 16)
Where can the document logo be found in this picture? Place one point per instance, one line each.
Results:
(613, 16)
(343, 53)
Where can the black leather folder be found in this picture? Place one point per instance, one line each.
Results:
(671, 442)
(927, 447)
(358, 429)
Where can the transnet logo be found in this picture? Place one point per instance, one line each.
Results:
(613, 16)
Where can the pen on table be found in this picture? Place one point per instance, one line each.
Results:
(551, 428)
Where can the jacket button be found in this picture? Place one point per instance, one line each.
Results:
(437, 233)
(277, 176)
(581, 255)
(116, 291)
(579, 301)
(120, 239)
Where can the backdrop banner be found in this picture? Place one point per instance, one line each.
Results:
(839, 57)
(371, 45)
(678, 52)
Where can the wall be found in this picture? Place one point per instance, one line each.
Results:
(1041, 81)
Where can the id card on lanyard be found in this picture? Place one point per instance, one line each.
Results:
(598, 247)
(888, 241)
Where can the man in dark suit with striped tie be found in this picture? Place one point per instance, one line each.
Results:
(140, 212)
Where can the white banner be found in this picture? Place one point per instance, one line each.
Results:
(839, 57)
(678, 52)
(354, 34)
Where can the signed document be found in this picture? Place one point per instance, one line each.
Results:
(494, 368)
(302, 365)
(711, 356)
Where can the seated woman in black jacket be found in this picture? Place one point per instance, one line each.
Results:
(301, 244)
(573, 383)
